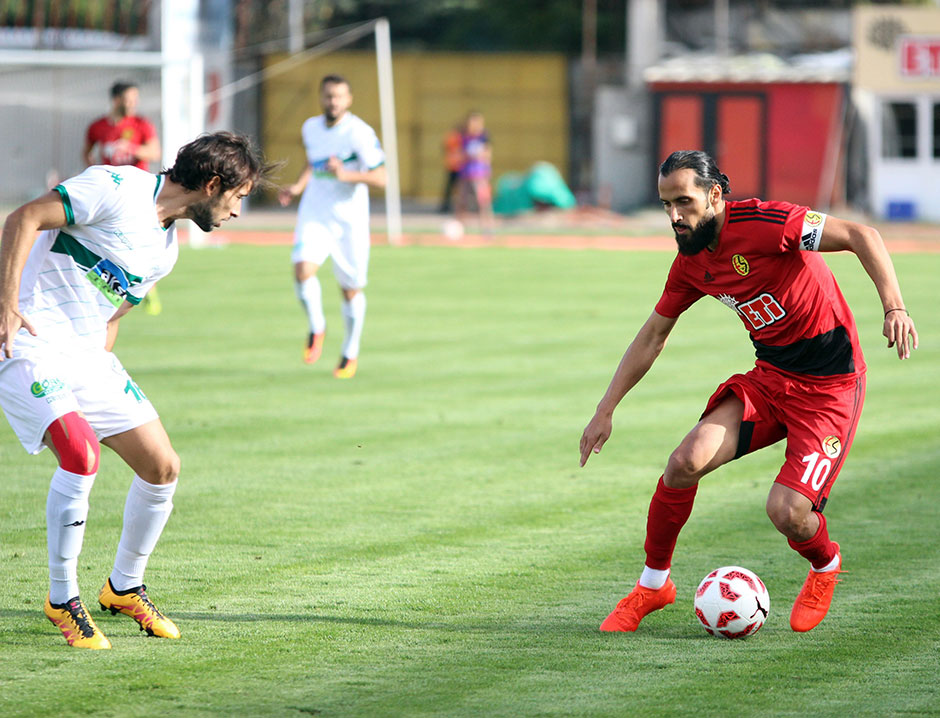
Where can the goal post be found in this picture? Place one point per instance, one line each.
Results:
(383, 56)
(383, 48)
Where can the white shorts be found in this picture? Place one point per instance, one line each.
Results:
(41, 385)
(315, 240)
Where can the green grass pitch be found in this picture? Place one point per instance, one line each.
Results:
(420, 541)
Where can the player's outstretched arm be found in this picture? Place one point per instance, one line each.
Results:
(287, 194)
(19, 234)
(376, 177)
(636, 361)
(869, 247)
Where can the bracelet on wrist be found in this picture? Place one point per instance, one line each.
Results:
(897, 309)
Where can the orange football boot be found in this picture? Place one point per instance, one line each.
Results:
(641, 601)
(813, 601)
(314, 347)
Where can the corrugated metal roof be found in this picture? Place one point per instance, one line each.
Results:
(821, 67)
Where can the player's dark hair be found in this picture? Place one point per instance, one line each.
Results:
(229, 156)
(335, 80)
(706, 171)
(120, 87)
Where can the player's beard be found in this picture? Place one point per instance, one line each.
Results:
(202, 214)
(702, 234)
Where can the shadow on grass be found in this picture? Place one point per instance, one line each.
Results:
(581, 629)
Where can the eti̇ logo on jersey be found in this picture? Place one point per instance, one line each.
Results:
(740, 265)
(832, 446)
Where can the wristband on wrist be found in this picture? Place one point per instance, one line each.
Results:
(897, 309)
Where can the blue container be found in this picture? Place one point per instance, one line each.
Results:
(902, 210)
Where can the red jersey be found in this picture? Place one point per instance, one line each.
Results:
(767, 270)
(136, 131)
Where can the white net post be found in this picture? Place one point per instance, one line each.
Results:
(183, 85)
(383, 51)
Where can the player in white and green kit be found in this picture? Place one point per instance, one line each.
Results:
(72, 263)
(344, 159)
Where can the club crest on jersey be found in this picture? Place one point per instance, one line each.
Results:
(832, 446)
(740, 265)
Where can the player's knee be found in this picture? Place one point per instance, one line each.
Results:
(788, 517)
(684, 467)
(169, 468)
(75, 444)
(163, 470)
(304, 270)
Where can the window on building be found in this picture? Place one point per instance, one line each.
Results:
(899, 129)
(936, 130)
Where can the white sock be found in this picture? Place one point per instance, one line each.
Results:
(66, 513)
(146, 511)
(831, 566)
(653, 577)
(354, 315)
(311, 298)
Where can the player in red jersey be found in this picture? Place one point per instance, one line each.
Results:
(122, 137)
(761, 260)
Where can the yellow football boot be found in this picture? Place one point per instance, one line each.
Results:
(76, 625)
(135, 602)
(346, 369)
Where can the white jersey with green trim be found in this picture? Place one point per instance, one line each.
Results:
(326, 199)
(113, 248)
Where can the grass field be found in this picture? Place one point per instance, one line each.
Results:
(420, 541)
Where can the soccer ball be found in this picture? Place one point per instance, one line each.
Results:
(732, 602)
(453, 230)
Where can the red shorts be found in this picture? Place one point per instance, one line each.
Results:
(817, 418)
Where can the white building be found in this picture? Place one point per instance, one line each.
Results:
(896, 86)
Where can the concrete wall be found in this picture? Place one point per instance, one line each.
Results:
(624, 172)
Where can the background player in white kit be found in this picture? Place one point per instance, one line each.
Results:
(72, 263)
(344, 158)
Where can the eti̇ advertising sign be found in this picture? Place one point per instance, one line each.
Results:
(920, 56)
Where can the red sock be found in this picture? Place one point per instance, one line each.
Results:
(669, 510)
(820, 549)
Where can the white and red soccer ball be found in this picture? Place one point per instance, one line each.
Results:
(732, 602)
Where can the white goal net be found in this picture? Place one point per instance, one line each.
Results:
(48, 99)
(44, 113)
